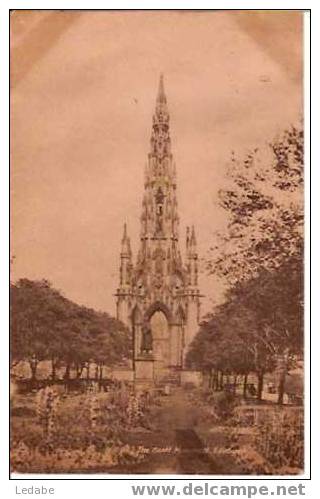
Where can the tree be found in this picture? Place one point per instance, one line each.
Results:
(264, 205)
(107, 340)
(29, 322)
(230, 343)
(260, 254)
(47, 326)
(259, 327)
(276, 300)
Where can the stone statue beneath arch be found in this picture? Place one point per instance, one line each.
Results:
(146, 340)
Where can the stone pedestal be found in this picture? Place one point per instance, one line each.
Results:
(144, 371)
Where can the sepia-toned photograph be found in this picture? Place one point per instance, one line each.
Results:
(157, 242)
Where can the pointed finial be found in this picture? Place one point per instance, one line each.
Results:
(193, 237)
(124, 232)
(125, 243)
(161, 95)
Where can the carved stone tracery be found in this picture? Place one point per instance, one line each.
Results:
(159, 281)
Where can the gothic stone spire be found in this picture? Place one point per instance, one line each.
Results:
(125, 243)
(159, 278)
(159, 216)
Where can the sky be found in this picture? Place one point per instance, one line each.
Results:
(83, 90)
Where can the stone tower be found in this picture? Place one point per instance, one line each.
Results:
(158, 295)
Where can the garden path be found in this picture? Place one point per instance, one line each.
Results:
(177, 446)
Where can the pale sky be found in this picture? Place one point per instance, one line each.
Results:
(83, 93)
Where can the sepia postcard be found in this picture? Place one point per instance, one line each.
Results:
(157, 242)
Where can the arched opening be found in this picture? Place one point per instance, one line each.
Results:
(178, 339)
(158, 306)
(160, 335)
(136, 315)
(136, 329)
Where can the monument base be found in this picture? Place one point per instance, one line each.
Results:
(144, 371)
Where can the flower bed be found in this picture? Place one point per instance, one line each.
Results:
(57, 433)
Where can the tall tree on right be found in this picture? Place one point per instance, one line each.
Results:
(260, 254)
(264, 205)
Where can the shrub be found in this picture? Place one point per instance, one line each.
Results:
(224, 404)
(280, 440)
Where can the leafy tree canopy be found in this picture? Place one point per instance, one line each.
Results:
(46, 325)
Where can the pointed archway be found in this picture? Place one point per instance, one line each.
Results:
(160, 334)
(158, 306)
(137, 320)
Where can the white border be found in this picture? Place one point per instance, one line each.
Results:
(122, 484)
